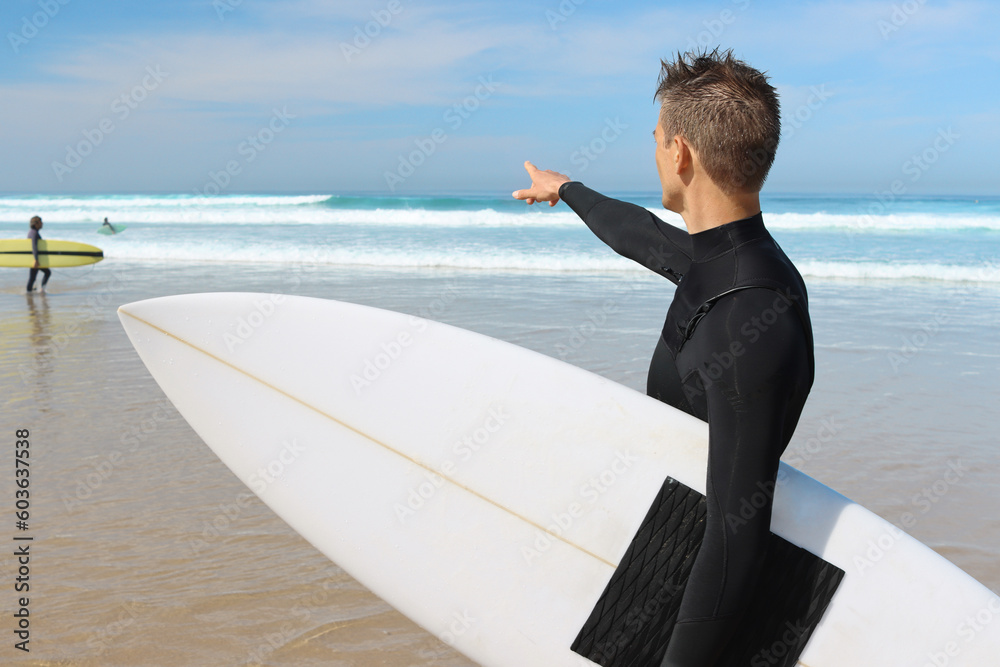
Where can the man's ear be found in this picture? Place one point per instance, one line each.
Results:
(682, 153)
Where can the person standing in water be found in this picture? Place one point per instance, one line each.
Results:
(736, 349)
(35, 236)
(108, 225)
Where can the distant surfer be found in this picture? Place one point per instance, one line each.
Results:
(35, 236)
(108, 225)
(736, 348)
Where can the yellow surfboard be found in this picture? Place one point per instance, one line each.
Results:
(51, 253)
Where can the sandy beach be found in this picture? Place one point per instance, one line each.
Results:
(148, 551)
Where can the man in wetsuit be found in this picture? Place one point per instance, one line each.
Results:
(34, 233)
(736, 347)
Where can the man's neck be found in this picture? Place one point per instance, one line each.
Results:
(715, 209)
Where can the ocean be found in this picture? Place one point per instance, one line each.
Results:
(942, 239)
(146, 549)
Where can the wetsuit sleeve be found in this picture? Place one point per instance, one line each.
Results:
(631, 231)
(34, 244)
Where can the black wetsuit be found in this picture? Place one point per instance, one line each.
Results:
(35, 237)
(736, 351)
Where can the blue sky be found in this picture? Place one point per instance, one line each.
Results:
(440, 96)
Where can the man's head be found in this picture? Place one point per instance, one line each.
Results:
(36, 222)
(724, 111)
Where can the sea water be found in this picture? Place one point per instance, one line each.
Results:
(939, 239)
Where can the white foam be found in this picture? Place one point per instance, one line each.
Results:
(262, 214)
(311, 209)
(900, 271)
(503, 260)
(507, 259)
(159, 201)
(862, 223)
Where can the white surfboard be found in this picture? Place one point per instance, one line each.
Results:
(490, 493)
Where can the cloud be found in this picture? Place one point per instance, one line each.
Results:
(422, 56)
(351, 76)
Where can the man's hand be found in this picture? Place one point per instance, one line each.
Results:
(544, 185)
(35, 265)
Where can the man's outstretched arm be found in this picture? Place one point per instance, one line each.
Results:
(631, 231)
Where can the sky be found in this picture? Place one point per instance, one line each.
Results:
(410, 97)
